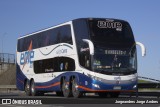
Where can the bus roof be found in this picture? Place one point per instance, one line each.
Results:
(45, 29)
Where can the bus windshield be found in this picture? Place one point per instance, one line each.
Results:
(114, 44)
(115, 61)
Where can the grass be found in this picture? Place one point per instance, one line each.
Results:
(144, 81)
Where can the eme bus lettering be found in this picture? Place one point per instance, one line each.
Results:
(27, 57)
(110, 24)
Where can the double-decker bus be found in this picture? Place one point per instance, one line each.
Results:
(79, 56)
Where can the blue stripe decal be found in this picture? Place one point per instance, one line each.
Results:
(54, 49)
(67, 46)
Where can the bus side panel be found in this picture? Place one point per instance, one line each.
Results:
(20, 78)
(52, 85)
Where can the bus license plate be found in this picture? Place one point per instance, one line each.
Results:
(117, 87)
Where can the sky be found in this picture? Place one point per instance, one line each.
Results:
(21, 17)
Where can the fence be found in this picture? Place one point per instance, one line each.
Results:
(7, 58)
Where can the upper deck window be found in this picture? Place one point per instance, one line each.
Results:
(53, 36)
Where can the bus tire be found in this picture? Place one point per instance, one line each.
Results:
(65, 89)
(76, 93)
(27, 88)
(32, 88)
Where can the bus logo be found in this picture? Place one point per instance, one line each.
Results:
(110, 24)
(27, 57)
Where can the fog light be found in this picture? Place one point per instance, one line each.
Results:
(96, 85)
(135, 86)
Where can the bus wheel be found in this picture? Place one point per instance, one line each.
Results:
(102, 94)
(65, 89)
(76, 93)
(27, 88)
(33, 91)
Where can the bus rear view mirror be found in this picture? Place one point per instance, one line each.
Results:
(91, 46)
(143, 49)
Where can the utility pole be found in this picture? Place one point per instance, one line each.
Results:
(2, 40)
(2, 54)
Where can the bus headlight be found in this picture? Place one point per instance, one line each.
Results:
(96, 78)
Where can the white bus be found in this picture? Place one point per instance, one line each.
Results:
(80, 56)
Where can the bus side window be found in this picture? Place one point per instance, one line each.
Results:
(46, 66)
(66, 64)
(84, 55)
(85, 60)
(66, 36)
(71, 64)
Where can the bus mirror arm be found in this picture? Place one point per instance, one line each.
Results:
(142, 48)
(91, 46)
